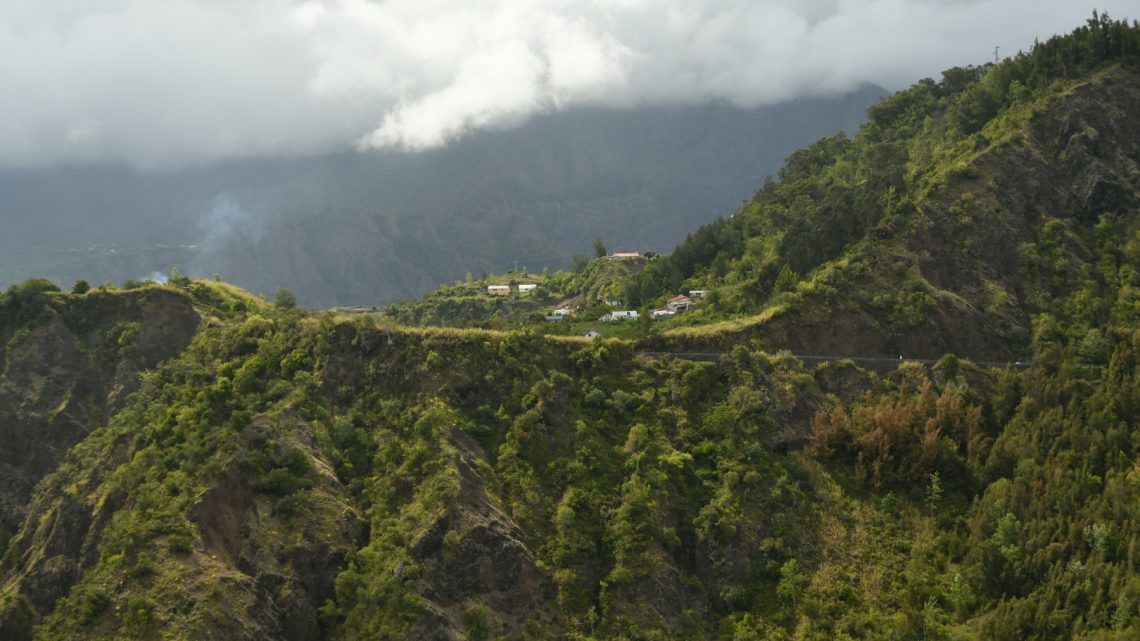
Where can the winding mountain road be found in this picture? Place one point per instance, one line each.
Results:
(877, 363)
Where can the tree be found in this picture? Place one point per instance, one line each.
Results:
(599, 249)
(934, 493)
(80, 287)
(785, 280)
(284, 299)
(33, 286)
(792, 583)
(645, 322)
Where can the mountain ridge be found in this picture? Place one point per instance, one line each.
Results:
(291, 476)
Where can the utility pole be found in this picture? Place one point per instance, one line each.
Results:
(996, 55)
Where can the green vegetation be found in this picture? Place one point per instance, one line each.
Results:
(284, 299)
(905, 228)
(344, 477)
(621, 497)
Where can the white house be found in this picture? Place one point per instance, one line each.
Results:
(526, 288)
(592, 333)
(620, 255)
(625, 315)
(679, 304)
(499, 290)
(555, 318)
(662, 313)
(562, 311)
(698, 293)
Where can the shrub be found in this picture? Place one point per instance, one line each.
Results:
(284, 299)
(180, 545)
(91, 604)
(33, 286)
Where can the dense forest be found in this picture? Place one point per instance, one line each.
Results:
(286, 475)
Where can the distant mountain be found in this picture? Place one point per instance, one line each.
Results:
(365, 228)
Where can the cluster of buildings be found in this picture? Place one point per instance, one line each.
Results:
(677, 305)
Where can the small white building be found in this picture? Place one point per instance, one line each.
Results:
(698, 293)
(592, 333)
(555, 318)
(562, 311)
(679, 304)
(631, 314)
(662, 313)
(499, 290)
(621, 255)
(526, 288)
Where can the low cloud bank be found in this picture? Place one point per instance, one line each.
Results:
(162, 84)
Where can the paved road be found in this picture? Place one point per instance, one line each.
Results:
(866, 362)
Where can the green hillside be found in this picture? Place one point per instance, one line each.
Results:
(193, 462)
(967, 215)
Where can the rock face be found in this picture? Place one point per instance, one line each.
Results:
(283, 579)
(69, 363)
(1076, 158)
(487, 562)
(66, 372)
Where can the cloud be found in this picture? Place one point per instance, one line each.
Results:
(162, 84)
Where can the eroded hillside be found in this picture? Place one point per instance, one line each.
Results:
(68, 364)
(290, 476)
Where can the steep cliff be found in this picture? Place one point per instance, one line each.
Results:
(68, 364)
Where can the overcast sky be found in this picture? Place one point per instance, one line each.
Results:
(160, 84)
